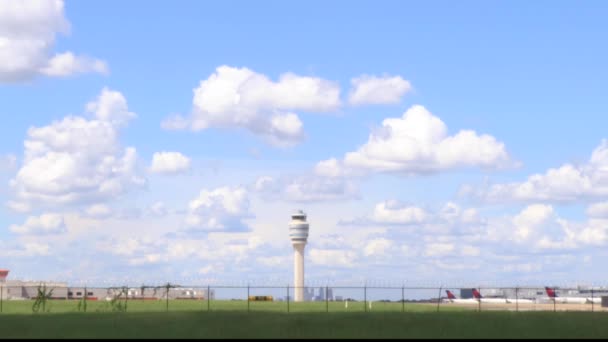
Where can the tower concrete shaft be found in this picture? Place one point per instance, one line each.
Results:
(298, 233)
(298, 272)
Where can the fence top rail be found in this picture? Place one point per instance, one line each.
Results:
(178, 287)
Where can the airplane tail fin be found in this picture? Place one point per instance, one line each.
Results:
(550, 292)
(450, 294)
(476, 294)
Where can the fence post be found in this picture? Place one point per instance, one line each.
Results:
(326, 298)
(1, 296)
(402, 298)
(167, 304)
(208, 296)
(85, 299)
(479, 300)
(516, 299)
(592, 306)
(287, 298)
(247, 297)
(439, 297)
(365, 297)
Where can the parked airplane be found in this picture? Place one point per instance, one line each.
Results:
(520, 301)
(478, 296)
(452, 299)
(566, 300)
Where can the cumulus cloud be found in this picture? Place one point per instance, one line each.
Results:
(28, 249)
(538, 227)
(377, 247)
(531, 218)
(27, 37)
(111, 106)
(599, 210)
(564, 184)
(158, 209)
(306, 188)
(332, 257)
(221, 209)
(418, 143)
(66, 64)
(438, 249)
(241, 98)
(99, 211)
(169, 163)
(77, 161)
(394, 212)
(368, 89)
(43, 224)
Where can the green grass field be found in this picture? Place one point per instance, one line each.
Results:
(265, 324)
(68, 306)
(230, 319)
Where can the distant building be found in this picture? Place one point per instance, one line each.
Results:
(309, 294)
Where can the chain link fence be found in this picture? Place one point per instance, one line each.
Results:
(53, 297)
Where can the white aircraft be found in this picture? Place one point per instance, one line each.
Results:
(566, 300)
(479, 297)
(520, 301)
(452, 299)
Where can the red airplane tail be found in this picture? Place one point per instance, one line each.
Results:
(450, 294)
(550, 292)
(476, 294)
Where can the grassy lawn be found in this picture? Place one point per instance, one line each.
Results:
(67, 306)
(265, 324)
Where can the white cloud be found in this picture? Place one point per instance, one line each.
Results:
(111, 106)
(530, 219)
(98, 211)
(19, 207)
(29, 249)
(438, 249)
(394, 212)
(43, 224)
(66, 64)
(377, 247)
(377, 90)
(470, 251)
(332, 257)
(306, 188)
(158, 209)
(27, 36)
(219, 209)
(566, 183)
(169, 163)
(239, 97)
(418, 143)
(275, 261)
(598, 210)
(397, 213)
(76, 161)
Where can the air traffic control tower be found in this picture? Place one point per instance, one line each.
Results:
(298, 233)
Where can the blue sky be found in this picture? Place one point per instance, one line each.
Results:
(527, 76)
